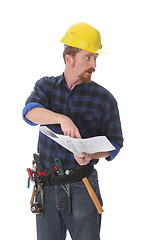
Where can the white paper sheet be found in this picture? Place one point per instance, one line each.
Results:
(77, 146)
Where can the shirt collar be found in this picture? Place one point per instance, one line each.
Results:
(83, 86)
(59, 80)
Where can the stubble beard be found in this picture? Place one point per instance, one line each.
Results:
(85, 76)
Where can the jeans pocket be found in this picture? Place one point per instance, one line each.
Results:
(93, 180)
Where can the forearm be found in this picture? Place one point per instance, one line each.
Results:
(40, 115)
(99, 155)
(44, 116)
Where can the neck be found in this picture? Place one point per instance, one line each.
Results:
(71, 80)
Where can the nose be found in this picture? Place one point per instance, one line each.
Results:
(93, 63)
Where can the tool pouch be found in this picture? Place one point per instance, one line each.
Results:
(36, 207)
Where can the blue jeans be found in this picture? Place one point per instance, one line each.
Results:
(84, 222)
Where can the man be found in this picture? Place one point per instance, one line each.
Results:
(73, 105)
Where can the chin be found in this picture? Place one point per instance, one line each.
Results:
(85, 79)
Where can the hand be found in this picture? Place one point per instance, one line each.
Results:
(69, 128)
(83, 161)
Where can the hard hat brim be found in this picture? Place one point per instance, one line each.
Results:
(100, 51)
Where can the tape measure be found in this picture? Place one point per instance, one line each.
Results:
(36, 208)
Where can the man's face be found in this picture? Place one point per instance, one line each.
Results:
(84, 64)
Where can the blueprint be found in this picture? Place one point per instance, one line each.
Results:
(77, 146)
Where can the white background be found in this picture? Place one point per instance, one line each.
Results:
(30, 48)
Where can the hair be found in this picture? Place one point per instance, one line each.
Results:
(71, 51)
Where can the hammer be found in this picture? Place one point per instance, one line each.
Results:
(93, 195)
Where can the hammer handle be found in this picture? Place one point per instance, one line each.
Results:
(93, 195)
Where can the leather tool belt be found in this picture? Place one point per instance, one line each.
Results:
(42, 177)
(71, 176)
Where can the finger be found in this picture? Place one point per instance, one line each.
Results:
(68, 133)
(74, 134)
(87, 157)
(78, 134)
(82, 162)
(79, 160)
(84, 154)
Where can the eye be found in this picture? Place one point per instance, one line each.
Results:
(88, 58)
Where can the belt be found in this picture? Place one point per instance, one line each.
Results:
(73, 175)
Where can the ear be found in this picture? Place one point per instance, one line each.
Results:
(68, 59)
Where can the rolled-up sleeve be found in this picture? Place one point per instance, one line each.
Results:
(38, 98)
(27, 108)
(111, 126)
(113, 153)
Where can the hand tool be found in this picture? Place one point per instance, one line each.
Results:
(68, 186)
(93, 195)
(59, 164)
(36, 208)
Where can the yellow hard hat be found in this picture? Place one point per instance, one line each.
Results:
(83, 36)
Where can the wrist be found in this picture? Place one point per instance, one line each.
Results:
(62, 118)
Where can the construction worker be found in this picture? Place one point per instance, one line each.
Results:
(74, 105)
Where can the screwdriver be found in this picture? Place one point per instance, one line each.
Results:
(59, 164)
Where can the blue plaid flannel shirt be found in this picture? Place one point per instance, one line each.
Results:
(91, 107)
